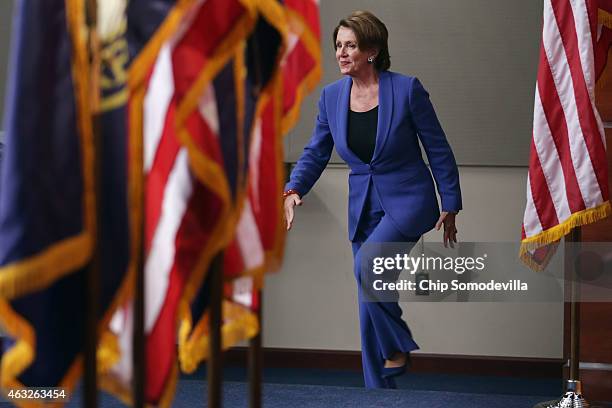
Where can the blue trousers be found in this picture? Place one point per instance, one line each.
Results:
(383, 332)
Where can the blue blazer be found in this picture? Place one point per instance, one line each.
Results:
(397, 170)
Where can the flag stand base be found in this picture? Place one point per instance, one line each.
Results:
(572, 399)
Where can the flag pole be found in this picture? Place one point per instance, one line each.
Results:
(254, 351)
(138, 341)
(573, 397)
(574, 374)
(90, 384)
(256, 359)
(214, 368)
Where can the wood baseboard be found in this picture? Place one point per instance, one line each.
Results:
(424, 363)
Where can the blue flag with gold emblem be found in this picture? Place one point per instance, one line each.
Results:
(48, 202)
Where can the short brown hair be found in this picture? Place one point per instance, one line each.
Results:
(371, 34)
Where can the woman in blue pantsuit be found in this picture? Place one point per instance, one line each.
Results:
(375, 119)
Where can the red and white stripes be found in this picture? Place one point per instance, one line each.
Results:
(567, 183)
(179, 210)
(190, 212)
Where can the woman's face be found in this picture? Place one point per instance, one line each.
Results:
(351, 60)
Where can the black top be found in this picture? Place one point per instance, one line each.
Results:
(362, 133)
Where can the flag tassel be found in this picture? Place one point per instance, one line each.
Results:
(557, 232)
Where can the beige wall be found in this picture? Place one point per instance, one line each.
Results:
(477, 58)
(311, 303)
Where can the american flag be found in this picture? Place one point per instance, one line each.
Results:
(258, 242)
(183, 99)
(567, 184)
(213, 176)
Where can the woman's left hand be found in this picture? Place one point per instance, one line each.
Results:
(450, 230)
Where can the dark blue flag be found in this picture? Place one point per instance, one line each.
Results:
(48, 202)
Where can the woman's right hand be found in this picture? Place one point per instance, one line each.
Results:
(291, 201)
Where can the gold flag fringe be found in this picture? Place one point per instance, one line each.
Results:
(557, 232)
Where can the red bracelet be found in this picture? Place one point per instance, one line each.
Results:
(289, 192)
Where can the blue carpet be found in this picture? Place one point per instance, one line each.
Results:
(191, 393)
(316, 396)
(312, 388)
(420, 381)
